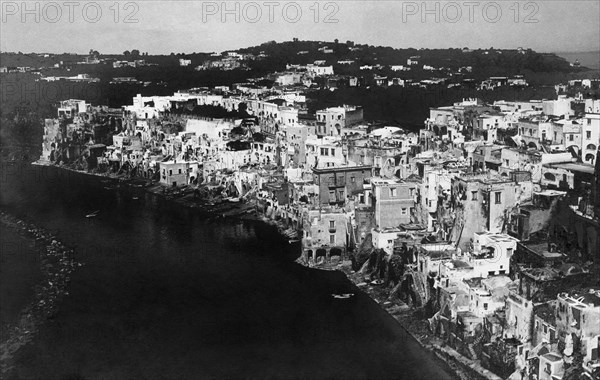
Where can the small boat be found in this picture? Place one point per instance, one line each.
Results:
(377, 282)
(342, 296)
(135, 198)
(92, 214)
(292, 241)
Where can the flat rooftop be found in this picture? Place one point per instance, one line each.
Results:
(575, 167)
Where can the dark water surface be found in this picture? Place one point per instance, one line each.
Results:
(168, 293)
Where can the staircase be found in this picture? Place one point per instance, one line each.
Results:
(420, 286)
(475, 342)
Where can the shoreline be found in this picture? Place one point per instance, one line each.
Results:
(215, 209)
(406, 317)
(56, 265)
(397, 309)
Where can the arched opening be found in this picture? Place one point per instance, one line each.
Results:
(591, 147)
(532, 145)
(309, 254)
(550, 177)
(335, 252)
(321, 252)
(589, 158)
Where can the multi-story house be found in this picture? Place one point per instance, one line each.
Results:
(336, 184)
(331, 121)
(590, 138)
(393, 200)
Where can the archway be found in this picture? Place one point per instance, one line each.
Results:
(309, 254)
(589, 158)
(335, 252)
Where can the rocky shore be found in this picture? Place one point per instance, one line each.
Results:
(408, 317)
(412, 319)
(211, 205)
(57, 263)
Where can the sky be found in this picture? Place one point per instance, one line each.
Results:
(187, 26)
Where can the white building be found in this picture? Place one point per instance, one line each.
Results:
(590, 137)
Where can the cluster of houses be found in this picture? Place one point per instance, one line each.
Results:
(379, 75)
(512, 192)
(472, 203)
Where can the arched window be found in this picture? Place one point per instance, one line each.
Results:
(589, 158)
(591, 147)
(550, 176)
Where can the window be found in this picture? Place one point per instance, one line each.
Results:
(352, 179)
(403, 210)
(332, 239)
(571, 137)
(324, 152)
(485, 306)
(411, 191)
(332, 152)
(393, 192)
(498, 197)
(474, 195)
(332, 224)
(588, 135)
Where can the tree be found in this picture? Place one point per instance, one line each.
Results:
(126, 53)
(238, 131)
(135, 52)
(258, 137)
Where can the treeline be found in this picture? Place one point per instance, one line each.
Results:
(409, 107)
(485, 62)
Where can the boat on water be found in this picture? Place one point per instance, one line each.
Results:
(377, 282)
(292, 241)
(92, 214)
(342, 296)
